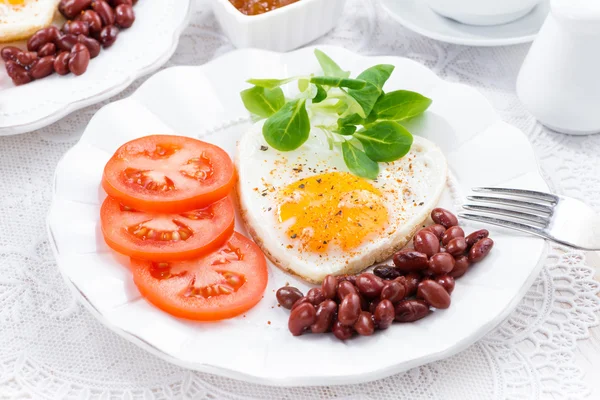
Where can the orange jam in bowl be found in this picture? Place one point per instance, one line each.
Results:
(255, 7)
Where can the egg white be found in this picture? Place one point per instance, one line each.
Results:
(410, 187)
(23, 20)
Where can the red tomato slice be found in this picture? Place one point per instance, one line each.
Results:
(219, 285)
(168, 174)
(161, 237)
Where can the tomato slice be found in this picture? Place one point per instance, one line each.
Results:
(169, 237)
(168, 174)
(219, 285)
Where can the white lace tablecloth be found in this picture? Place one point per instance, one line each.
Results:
(52, 348)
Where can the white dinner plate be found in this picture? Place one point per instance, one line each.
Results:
(203, 102)
(139, 50)
(418, 17)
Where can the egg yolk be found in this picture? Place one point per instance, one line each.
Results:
(12, 2)
(333, 208)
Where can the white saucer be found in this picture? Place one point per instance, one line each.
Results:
(418, 17)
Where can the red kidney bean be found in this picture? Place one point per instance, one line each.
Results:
(27, 58)
(369, 285)
(410, 261)
(384, 314)
(412, 282)
(61, 63)
(287, 296)
(372, 305)
(342, 332)
(441, 263)
(93, 20)
(393, 291)
(457, 246)
(92, 44)
(480, 250)
(124, 15)
(411, 310)
(76, 28)
(437, 229)
(108, 36)
(301, 301)
(49, 49)
(42, 67)
(364, 326)
(301, 318)
(444, 217)
(315, 296)
(434, 294)
(476, 237)
(71, 8)
(17, 73)
(80, 59)
(116, 3)
(9, 53)
(426, 242)
(349, 310)
(386, 272)
(105, 11)
(66, 42)
(347, 278)
(344, 289)
(41, 37)
(329, 286)
(447, 282)
(364, 303)
(451, 233)
(460, 266)
(324, 317)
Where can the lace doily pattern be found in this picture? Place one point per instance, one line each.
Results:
(52, 348)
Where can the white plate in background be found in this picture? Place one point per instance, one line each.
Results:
(138, 51)
(418, 17)
(203, 102)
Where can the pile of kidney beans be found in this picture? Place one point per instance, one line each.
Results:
(91, 25)
(421, 278)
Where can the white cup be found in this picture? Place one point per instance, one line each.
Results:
(483, 12)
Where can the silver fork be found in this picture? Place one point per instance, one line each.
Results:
(558, 218)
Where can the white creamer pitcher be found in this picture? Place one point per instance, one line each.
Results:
(559, 82)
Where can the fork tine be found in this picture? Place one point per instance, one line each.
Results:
(511, 202)
(519, 192)
(505, 223)
(509, 213)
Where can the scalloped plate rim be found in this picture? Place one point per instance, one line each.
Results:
(308, 380)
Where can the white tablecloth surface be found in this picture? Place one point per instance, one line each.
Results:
(52, 348)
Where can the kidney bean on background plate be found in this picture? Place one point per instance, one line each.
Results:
(369, 285)
(49, 49)
(71, 8)
(412, 281)
(76, 28)
(349, 309)
(393, 291)
(105, 11)
(66, 42)
(41, 37)
(437, 229)
(329, 286)
(92, 44)
(457, 246)
(108, 36)
(9, 53)
(342, 332)
(315, 296)
(93, 20)
(26, 58)
(461, 266)
(344, 289)
(301, 301)
(124, 15)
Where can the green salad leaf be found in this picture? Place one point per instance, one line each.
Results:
(362, 120)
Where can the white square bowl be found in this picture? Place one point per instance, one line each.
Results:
(283, 29)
